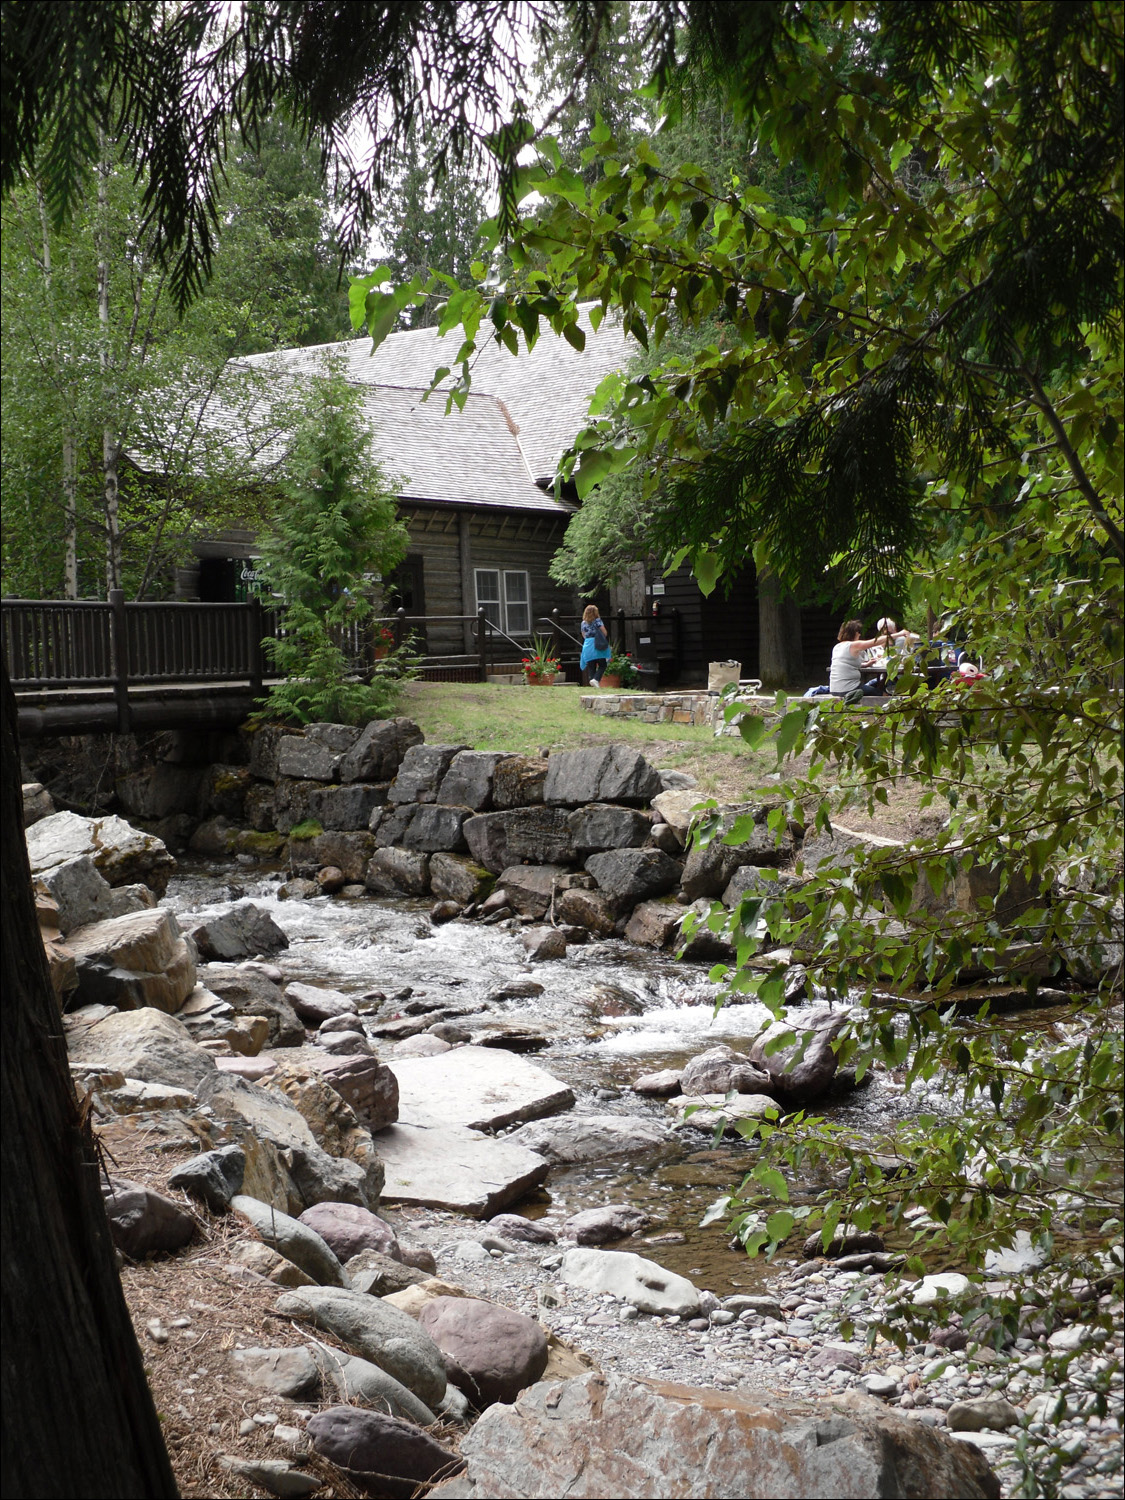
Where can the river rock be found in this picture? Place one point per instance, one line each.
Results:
(532, 835)
(348, 1229)
(629, 876)
(368, 1086)
(379, 1275)
(848, 1243)
(612, 1221)
(708, 1111)
(454, 877)
(981, 1413)
(575, 1138)
(481, 1088)
(378, 752)
(370, 1327)
(722, 1070)
(661, 1085)
(796, 1079)
(421, 772)
(37, 803)
(145, 1044)
(358, 1380)
(542, 943)
(591, 910)
(454, 1168)
(292, 1373)
(277, 1476)
(296, 1241)
(142, 1222)
(530, 889)
(334, 1124)
(677, 808)
(249, 993)
(528, 1231)
(213, 1176)
(497, 1352)
(305, 759)
(602, 1435)
(601, 826)
(243, 932)
(123, 854)
(939, 1287)
(612, 773)
(256, 1257)
(80, 892)
(315, 1004)
(395, 872)
(654, 924)
(381, 1454)
(347, 852)
(135, 960)
(468, 782)
(518, 781)
(633, 1279)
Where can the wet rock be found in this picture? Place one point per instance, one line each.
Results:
(845, 1244)
(518, 781)
(298, 890)
(661, 1085)
(707, 1111)
(296, 1241)
(654, 924)
(722, 1070)
(242, 932)
(458, 1169)
(468, 782)
(601, 826)
(543, 943)
(37, 803)
(613, 773)
(803, 1070)
(347, 1229)
(528, 1231)
(454, 877)
(597, 1226)
(314, 1003)
(421, 772)
(282, 1372)
(592, 910)
(398, 871)
(632, 1278)
(135, 960)
(379, 1275)
(481, 1088)
(142, 1222)
(575, 1138)
(609, 1435)
(213, 1176)
(629, 876)
(497, 1352)
(331, 879)
(358, 1380)
(532, 889)
(382, 1455)
(535, 835)
(247, 990)
(305, 759)
(982, 1413)
(221, 789)
(143, 1044)
(378, 752)
(348, 852)
(123, 854)
(378, 1332)
(213, 838)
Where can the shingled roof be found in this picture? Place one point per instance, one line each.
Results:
(545, 391)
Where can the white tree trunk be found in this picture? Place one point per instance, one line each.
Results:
(111, 449)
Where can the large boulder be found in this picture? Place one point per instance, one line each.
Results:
(629, 876)
(381, 1454)
(144, 1044)
(369, 1086)
(348, 1229)
(223, 790)
(676, 808)
(802, 1070)
(437, 828)
(250, 993)
(82, 895)
(537, 835)
(601, 1435)
(496, 1352)
(306, 759)
(358, 1380)
(574, 1138)
(454, 877)
(422, 772)
(243, 932)
(331, 1119)
(593, 910)
(468, 782)
(135, 960)
(315, 1004)
(602, 826)
(293, 1239)
(37, 802)
(372, 1328)
(379, 749)
(123, 854)
(518, 781)
(394, 872)
(722, 1070)
(345, 808)
(142, 1222)
(530, 889)
(633, 1279)
(348, 852)
(610, 773)
(654, 924)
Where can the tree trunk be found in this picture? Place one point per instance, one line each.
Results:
(111, 448)
(70, 518)
(780, 661)
(79, 1419)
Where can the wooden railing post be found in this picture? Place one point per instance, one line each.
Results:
(120, 660)
(255, 628)
(482, 643)
(622, 640)
(399, 627)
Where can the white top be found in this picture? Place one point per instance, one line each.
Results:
(843, 673)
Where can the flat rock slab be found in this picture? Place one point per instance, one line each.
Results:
(479, 1088)
(456, 1168)
(603, 1435)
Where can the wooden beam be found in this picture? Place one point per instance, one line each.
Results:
(468, 580)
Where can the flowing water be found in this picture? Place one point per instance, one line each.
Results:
(608, 1013)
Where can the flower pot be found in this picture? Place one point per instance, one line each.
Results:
(536, 679)
(610, 680)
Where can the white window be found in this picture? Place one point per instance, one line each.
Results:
(505, 598)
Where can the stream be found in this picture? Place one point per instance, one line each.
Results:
(607, 1013)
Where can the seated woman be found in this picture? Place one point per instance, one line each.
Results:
(845, 674)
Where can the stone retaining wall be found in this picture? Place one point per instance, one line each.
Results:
(700, 708)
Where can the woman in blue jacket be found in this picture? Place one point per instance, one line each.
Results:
(596, 650)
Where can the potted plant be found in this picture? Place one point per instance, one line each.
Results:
(540, 667)
(384, 641)
(620, 670)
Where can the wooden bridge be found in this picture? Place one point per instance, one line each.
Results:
(87, 666)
